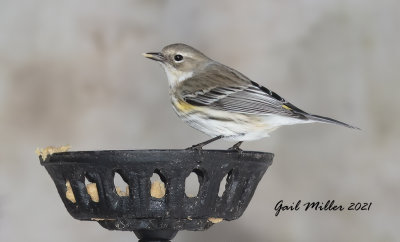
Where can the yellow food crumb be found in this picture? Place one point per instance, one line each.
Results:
(157, 189)
(102, 219)
(69, 194)
(215, 220)
(49, 150)
(122, 193)
(92, 191)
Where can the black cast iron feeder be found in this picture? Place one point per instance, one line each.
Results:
(153, 211)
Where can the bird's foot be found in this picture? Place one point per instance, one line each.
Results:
(195, 147)
(200, 145)
(236, 147)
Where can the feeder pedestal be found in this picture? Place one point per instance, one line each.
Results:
(156, 218)
(155, 235)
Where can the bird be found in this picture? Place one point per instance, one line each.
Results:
(222, 102)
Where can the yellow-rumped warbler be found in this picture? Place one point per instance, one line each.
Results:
(222, 102)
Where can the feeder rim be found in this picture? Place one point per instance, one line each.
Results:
(254, 156)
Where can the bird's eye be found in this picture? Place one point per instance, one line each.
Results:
(178, 57)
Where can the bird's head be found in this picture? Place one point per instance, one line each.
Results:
(180, 62)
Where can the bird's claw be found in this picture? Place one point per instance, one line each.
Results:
(237, 149)
(195, 147)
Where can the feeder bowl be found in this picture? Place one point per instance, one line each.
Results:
(156, 217)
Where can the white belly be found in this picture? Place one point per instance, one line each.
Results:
(236, 126)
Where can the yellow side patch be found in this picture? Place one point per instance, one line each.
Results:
(184, 106)
(286, 107)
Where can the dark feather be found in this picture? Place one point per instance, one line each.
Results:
(229, 90)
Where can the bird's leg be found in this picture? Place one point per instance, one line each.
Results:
(236, 146)
(200, 145)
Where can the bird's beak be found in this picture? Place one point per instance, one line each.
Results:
(157, 56)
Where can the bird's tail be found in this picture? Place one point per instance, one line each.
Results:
(329, 121)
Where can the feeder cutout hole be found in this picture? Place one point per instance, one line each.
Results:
(157, 189)
(193, 182)
(121, 186)
(91, 189)
(224, 184)
(69, 194)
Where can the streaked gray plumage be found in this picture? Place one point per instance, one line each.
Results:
(221, 101)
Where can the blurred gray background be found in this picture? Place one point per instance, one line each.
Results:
(71, 73)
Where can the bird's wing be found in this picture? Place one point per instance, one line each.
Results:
(230, 93)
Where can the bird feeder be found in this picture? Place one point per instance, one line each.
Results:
(156, 211)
